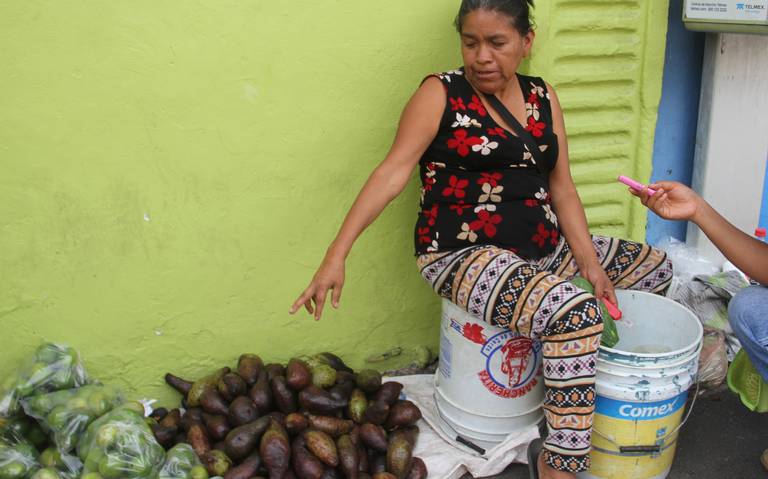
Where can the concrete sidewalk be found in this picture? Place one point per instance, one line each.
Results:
(722, 440)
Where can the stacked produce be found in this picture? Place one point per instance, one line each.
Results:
(53, 367)
(182, 463)
(313, 418)
(66, 414)
(18, 458)
(50, 409)
(120, 445)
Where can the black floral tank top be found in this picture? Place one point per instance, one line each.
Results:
(480, 183)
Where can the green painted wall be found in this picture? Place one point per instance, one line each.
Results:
(172, 172)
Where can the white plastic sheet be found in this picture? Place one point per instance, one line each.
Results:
(444, 457)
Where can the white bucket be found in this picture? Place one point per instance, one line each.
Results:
(489, 382)
(642, 387)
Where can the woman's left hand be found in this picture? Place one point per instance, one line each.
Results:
(596, 275)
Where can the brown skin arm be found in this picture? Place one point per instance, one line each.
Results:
(675, 201)
(419, 124)
(570, 211)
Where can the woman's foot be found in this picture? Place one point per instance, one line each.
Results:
(548, 472)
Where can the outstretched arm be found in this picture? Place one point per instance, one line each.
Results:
(675, 201)
(418, 126)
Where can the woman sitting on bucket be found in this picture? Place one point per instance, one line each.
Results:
(501, 229)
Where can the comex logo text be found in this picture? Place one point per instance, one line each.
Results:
(640, 412)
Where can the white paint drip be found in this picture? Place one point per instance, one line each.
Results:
(250, 92)
(147, 218)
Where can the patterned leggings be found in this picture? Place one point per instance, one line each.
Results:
(537, 300)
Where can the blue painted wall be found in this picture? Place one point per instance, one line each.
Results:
(678, 114)
(764, 209)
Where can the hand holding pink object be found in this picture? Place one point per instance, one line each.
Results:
(635, 185)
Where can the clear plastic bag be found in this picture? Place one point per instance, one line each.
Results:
(23, 427)
(182, 463)
(687, 261)
(713, 361)
(120, 445)
(67, 414)
(53, 367)
(18, 459)
(64, 466)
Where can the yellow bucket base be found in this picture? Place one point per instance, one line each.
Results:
(634, 424)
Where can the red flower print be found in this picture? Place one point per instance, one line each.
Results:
(457, 104)
(487, 222)
(424, 236)
(459, 208)
(431, 215)
(497, 132)
(531, 203)
(474, 332)
(533, 99)
(461, 143)
(541, 235)
(492, 178)
(456, 187)
(478, 106)
(535, 127)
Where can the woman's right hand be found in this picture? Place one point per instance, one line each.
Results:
(672, 200)
(329, 276)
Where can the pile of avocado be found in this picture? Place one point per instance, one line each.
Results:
(312, 418)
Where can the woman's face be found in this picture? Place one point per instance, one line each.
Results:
(492, 49)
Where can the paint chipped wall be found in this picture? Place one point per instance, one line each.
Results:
(172, 172)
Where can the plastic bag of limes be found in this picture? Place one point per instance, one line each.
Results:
(23, 427)
(182, 463)
(18, 459)
(120, 445)
(67, 414)
(53, 367)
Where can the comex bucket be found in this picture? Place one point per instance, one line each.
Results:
(489, 382)
(642, 388)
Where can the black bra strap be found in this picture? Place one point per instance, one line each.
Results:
(521, 132)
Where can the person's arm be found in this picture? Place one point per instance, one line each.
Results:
(418, 126)
(675, 201)
(570, 211)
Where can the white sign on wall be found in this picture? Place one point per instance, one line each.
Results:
(727, 10)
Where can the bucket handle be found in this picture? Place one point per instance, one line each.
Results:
(651, 448)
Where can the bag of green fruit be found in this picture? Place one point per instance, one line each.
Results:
(58, 466)
(67, 414)
(18, 459)
(120, 445)
(610, 335)
(182, 463)
(23, 427)
(53, 367)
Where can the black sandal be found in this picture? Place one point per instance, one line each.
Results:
(534, 450)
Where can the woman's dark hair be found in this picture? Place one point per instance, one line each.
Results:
(519, 11)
